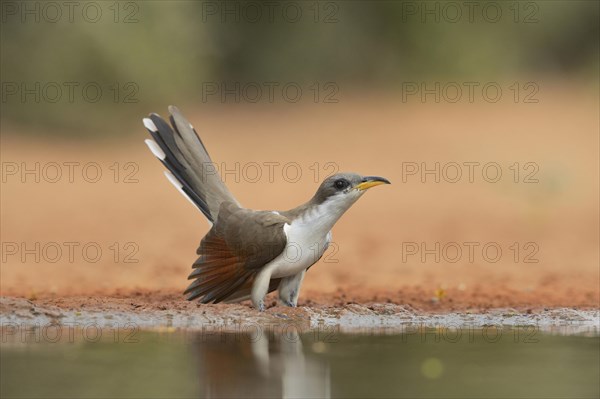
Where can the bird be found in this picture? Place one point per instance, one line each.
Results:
(248, 253)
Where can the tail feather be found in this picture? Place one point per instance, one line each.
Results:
(182, 152)
(216, 287)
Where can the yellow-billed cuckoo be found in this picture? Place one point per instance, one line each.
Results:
(247, 253)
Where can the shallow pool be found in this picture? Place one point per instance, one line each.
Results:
(258, 362)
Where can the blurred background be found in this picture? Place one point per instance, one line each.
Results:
(381, 88)
(170, 49)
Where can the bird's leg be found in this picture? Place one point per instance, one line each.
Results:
(260, 289)
(289, 289)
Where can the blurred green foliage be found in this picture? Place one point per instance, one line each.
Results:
(145, 55)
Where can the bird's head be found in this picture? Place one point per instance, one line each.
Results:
(343, 189)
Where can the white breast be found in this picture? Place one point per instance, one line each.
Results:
(307, 239)
(304, 248)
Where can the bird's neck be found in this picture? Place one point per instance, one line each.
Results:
(320, 216)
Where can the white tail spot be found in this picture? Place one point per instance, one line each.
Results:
(149, 125)
(156, 150)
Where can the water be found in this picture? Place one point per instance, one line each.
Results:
(488, 363)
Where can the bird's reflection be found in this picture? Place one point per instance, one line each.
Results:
(257, 364)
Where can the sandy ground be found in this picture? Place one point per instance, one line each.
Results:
(147, 233)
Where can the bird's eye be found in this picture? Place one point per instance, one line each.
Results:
(341, 184)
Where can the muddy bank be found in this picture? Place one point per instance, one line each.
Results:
(125, 313)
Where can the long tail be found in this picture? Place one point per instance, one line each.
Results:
(190, 168)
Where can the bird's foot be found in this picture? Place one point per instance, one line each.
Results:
(289, 303)
(292, 301)
(261, 306)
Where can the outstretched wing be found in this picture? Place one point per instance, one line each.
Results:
(235, 249)
(190, 168)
